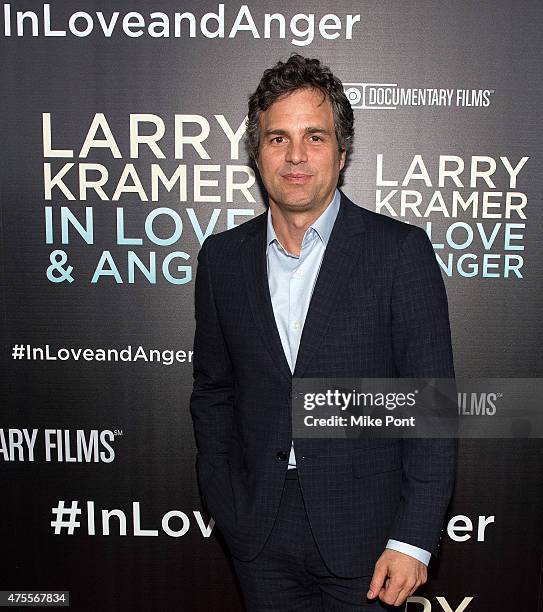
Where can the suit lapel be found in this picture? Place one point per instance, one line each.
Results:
(339, 258)
(256, 279)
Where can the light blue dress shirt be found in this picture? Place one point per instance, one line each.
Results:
(291, 279)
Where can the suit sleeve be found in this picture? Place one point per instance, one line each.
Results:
(422, 349)
(211, 401)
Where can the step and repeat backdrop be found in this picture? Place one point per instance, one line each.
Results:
(123, 148)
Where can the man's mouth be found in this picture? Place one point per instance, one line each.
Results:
(299, 178)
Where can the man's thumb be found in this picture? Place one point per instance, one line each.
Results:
(376, 583)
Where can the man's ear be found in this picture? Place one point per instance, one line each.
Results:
(342, 157)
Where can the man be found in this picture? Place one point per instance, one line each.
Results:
(316, 287)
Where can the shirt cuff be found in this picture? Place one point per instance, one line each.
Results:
(413, 551)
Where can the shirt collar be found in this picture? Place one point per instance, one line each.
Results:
(322, 225)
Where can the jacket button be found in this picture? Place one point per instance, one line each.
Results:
(281, 455)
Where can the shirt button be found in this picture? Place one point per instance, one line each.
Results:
(296, 325)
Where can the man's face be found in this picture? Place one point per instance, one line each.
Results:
(298, 157)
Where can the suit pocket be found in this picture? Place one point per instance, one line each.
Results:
(361, 291)
(359, 302)
(377, 460)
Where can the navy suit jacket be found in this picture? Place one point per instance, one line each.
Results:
(378, 310)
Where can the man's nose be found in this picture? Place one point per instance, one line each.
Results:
(296, 152)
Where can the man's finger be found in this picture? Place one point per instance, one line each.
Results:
(407, 590)
(392, 591)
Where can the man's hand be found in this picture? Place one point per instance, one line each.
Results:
(396, 576)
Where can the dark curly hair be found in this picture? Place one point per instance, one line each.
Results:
(299, 72)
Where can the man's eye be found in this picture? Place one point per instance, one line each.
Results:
(315, 138)
(278, 139)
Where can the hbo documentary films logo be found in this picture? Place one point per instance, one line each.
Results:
(391, 96)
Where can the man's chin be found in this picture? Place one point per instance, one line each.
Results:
(295, 203)
(297, 206)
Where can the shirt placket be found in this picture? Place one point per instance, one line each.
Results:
(296, 301)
